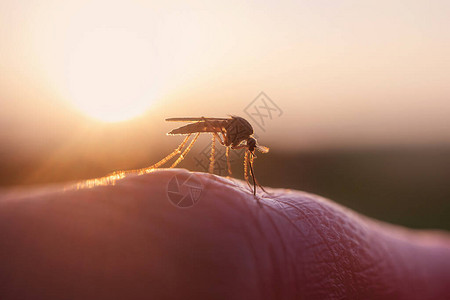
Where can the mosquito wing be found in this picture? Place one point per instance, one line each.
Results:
(262, 149)
(194, 119)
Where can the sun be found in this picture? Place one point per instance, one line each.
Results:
(112, 74)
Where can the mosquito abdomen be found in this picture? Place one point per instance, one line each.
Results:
(205, 126)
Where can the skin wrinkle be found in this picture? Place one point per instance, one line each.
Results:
(264, 284)
(383, 263)
(236, 206)
(389, 266)
(213, 221)
(331, 242)
(335, 237)
(290, 260)
(365, 261)
(258, 278)
(308, 218)
(292, 265)
(279, 233)
(274, 258)
(261, 283)
(268, 284)
(296, 208)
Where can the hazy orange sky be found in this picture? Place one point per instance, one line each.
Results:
(346, 73)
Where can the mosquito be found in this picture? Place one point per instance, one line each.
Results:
(233, 133)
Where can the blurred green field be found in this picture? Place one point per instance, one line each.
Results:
(407, 186)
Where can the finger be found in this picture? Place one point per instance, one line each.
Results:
(140, 237)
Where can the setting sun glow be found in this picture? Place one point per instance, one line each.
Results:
(110, 75)
(381, 64)
(114, 67)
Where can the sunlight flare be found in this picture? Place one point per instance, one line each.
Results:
(111, 75)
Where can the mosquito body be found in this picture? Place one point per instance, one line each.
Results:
(233, 133)
(234, 130)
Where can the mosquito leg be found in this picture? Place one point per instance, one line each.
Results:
(246, 169)
(212, 156)
(227, 151)
(221, 141)
(250, 162)
(165, 159)
(227, 154)
(186, 151)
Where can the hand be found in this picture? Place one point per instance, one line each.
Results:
(131, 240)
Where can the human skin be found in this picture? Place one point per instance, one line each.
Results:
(125, 239)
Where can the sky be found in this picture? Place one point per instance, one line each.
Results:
(341, 73)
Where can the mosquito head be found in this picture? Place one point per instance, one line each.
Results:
(251, 144)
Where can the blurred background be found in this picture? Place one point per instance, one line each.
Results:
(352, 97)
